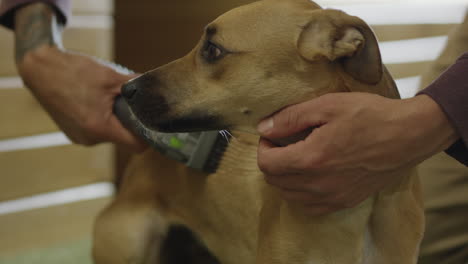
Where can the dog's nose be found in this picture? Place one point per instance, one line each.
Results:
(128, 90)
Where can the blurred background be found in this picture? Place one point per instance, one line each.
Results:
(51, 190)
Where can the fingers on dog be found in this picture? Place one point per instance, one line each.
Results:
(297, 157)
(293, 119)
(273, 160)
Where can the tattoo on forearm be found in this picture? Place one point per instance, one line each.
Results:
(35, 25)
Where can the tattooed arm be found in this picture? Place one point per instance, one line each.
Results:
(36, 24)
(76, 90)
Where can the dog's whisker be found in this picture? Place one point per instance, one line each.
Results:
(231, 136)
(229, 133)
(226, 135)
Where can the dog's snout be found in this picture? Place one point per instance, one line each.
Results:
(145, 98)
(129, 89)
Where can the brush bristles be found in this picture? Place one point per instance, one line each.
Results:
(217, 152)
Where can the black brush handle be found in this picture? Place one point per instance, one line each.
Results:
(125, 116)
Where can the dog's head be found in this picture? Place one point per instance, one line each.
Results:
(253, 61)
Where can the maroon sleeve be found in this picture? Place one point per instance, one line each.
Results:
(450, 91)
(8, 8)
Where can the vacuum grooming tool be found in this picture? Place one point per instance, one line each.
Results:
(198, 150)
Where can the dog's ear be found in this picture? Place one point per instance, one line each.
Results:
(336, 36)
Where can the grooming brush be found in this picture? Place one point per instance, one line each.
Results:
(198, 150)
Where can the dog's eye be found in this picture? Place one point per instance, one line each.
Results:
(211, 52)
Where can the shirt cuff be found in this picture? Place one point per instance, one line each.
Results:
(8, 7)
(450, 91)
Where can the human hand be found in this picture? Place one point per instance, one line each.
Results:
(359, 143)
(78, 92)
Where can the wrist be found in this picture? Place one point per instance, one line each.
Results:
(39, 63)
(36, 25)
(432, 123)
(38, 56)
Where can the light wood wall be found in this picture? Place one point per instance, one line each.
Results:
(32, 171)
(404, 32)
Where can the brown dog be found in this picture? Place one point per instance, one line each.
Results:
(251, 62)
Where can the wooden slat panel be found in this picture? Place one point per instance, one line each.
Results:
(398, 32)
(48, 226)
(406, 12)
(86, 7)
(95, 42)
(412, 50)
(404, 70)
(7, 61)
(29, 172)
(408, 86)
(21, 115)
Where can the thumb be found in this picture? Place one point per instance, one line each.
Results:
(293, 119)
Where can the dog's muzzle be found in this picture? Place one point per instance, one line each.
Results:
(128, 90)
(143, 96)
